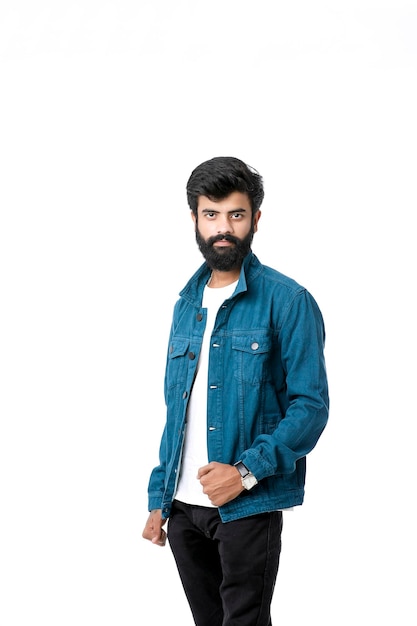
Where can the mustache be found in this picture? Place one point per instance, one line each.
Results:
(212, 240)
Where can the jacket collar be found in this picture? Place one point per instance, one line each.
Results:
(193, 290)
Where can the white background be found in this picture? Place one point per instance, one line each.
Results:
(105, 108)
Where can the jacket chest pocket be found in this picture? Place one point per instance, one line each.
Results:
(251, 356)
(178, 357)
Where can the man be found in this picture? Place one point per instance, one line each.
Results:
(247, 400)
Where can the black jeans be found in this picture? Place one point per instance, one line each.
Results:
(228, 570)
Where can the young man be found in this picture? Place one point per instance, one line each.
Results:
(247, 400)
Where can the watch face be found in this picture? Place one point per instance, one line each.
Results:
(249, 481)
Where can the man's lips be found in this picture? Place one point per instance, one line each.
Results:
(222, 243)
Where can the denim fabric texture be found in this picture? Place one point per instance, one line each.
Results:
(267, 389)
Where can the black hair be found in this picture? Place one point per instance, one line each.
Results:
(219, 177)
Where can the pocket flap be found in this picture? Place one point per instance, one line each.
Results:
(253, 343)
(178, 347)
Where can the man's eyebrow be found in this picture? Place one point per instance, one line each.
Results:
(213, 210)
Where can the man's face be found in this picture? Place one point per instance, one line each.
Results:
(224, 230)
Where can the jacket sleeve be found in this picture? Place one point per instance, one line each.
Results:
(156, 485)
(301, 338)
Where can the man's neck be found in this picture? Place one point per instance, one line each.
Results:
(222, 279)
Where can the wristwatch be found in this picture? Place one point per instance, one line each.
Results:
(248, 479)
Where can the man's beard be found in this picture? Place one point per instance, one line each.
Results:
(224, 258)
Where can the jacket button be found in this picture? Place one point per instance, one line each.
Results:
(255, 345)
(199, 317)
(185, 394)
(171, 349)
(191, 356)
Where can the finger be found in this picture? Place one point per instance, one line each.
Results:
(160, 539)
(203, 471)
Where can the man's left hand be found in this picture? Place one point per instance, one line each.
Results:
(221, 482)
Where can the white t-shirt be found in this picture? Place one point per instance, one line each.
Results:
(194, 455)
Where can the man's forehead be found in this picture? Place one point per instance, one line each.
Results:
(233, 202)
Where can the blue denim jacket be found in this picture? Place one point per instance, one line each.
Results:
(267, 387)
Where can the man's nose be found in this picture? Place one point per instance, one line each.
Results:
(223, 225)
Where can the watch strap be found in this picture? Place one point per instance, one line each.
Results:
(242, 469)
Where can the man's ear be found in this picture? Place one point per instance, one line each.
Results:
(256, 219)
(193, 217)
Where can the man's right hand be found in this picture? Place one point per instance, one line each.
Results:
(153, 529)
